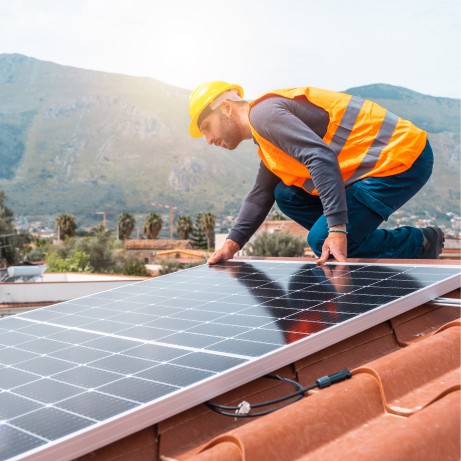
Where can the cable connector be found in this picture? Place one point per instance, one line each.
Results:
(243, 408)
(326, 381)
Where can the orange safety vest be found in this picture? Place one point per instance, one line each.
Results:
(367, 139)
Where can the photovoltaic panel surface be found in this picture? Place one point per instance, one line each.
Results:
(82, 373)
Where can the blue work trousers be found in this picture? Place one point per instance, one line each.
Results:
(370, 201)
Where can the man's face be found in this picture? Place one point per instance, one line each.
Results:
(221, 129)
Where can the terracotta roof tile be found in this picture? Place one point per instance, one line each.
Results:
(386, 411)
(431, 369)
(395, 438)
(410, 326)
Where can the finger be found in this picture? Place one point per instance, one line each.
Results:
(213, 259)
(340, 257)
(324, 256)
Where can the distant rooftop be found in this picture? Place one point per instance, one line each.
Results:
(157, 244)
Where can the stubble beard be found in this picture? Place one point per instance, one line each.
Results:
(230, 132)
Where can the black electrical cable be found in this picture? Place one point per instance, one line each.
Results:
(299, 395)
(320, 383)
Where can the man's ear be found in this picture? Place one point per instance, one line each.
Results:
(226, 108)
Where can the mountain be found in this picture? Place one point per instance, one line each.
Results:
(440, 117)
(80, 141)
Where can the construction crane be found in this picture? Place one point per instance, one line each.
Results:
(171, 208)
(104, 219)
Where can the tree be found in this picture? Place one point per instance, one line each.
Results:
(207, 222)
(65, 225)
(77, 262)
(6, 215)
(35, 249)
(7, 232)
(153, 225)
(100, 253)
(126, 223)
(198, 240)
(130, 265)
(276, 244)
(184, 227)
(97, 230)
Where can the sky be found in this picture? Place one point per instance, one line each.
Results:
(259, 44)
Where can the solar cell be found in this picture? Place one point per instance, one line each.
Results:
(147, 351)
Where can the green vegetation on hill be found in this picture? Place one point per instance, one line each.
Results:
(79, 141)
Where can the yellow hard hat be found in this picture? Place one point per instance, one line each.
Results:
(202, 97)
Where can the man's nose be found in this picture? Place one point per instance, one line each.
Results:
(209, 138)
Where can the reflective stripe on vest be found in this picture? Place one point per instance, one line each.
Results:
(347, 124)
(374, 152)
(367, 139)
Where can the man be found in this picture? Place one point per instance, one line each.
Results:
(336, 164)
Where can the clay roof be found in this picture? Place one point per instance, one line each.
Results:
(157, 244)
(401, 406)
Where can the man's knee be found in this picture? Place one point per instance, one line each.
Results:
(291, 197)
(315, 241)
(282, 194)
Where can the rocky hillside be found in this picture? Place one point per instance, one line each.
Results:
(80, 141)
(74, 140)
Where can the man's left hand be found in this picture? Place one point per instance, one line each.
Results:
(335, 245)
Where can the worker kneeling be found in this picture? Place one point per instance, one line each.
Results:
(334, 163)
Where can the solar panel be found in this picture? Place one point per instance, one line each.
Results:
(80, 374)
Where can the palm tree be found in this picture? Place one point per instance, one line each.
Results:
(6, 216)
(126, 223)
(7, 248)
(184, 226)
(153, 225)
(207, 223)
(66, 226)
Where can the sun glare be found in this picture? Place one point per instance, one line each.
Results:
(150, 39)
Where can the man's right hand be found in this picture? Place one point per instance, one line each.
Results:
(227, 251)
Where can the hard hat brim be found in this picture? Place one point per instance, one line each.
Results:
(194, 129)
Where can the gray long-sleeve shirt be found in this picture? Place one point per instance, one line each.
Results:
(296, 126)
